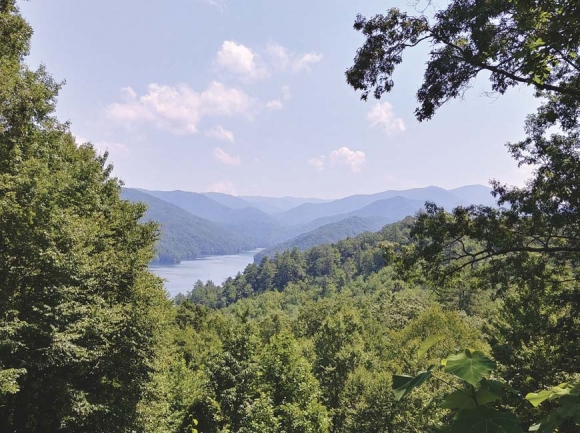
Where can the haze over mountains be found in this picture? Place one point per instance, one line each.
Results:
(195, 224)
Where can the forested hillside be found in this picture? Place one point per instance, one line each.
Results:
(257, 228)
(184, 236)
(326, 234)
(236, 223)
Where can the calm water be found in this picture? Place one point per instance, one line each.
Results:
(180, 278)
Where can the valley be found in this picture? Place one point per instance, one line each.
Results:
(193, 224)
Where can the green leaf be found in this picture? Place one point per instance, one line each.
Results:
(428, 344)
(485, 420)
(471, 366)
(497, 387)
(537, 43)
(548, 394)
(570, 408)
(403, 385)
(458, 400)
(485, 396)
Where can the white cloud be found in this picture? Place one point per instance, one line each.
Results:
(283, 59)
(245, 63)
(225, 158)
(279, 56)
(304, 62)
(317, 163)
(239, 60)
(224, 186)
(353, 159)
(179, 109)
(128, 94)
(217, 4)
(114, 148)
(80, 140)
(286, 93)
(382, 115)
(219, 133)
(274, 105)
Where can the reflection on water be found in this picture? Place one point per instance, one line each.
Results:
(180, 278)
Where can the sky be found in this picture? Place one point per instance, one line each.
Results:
(250, 98)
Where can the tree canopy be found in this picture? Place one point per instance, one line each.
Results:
(533, 43)
(79, 313)
(527, 250)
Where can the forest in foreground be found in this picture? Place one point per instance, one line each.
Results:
(459, 321)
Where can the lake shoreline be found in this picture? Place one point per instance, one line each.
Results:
(180, 277)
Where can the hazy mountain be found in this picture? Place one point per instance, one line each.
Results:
(230, 201)
(392, 209)
(273, 205)
(194, 203)
(369, 218)
(238, 223)
(256, 227)
(185, 236)
(311, 211)
(475, 194)
(327, 234)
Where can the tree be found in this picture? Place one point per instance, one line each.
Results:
(531, 244)
(79, 312)
(295, 393)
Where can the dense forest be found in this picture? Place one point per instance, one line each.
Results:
(459, 321)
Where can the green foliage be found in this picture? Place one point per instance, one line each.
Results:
(403, 385)
(516, 42)
(471, 366)
(80, 316)
(473, 400)
(323, 266)
(526, 252)
(566, 417)
(9, 381)
(326, 234)
(470, 400)
(304, 341)
(486, 420)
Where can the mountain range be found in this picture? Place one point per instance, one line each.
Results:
(194, 224)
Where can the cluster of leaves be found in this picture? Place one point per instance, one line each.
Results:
(476, 398)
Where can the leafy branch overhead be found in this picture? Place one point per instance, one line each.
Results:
(515, 41)
(529, 244)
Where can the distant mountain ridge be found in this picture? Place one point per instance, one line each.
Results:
(185, 236)
(311, 211)
(326, 234)
(257, 227)
(273, 223)
(332, 229)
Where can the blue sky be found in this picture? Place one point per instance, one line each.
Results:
(250, 98)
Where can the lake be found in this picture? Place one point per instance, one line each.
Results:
(180, 278)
